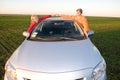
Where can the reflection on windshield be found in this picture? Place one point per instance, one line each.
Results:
(57, 31)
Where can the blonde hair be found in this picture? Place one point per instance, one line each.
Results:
(34, 18)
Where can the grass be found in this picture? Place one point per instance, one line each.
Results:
(106, 38)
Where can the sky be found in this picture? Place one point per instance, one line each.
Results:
(108, 8)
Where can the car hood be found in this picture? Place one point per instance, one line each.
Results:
(53, 57)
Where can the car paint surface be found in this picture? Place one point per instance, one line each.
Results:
(55, 57)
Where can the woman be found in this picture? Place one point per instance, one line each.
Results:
(34, 20)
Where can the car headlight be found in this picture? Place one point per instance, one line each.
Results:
(99, 70)
(10, 72)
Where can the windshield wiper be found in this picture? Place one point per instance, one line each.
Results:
(67, 38)
(37, 38)
(53, 39)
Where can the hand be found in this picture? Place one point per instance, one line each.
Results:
(26, 34)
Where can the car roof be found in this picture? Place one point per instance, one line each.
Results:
(56, 19)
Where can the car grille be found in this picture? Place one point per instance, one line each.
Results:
(75, 79)
(26, 79)
(81, 79)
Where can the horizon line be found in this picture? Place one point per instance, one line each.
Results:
(49, 14)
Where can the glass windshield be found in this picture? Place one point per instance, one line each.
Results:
(57, 31)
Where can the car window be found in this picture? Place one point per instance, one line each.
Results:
(57, 31)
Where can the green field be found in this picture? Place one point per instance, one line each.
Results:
(106, 38)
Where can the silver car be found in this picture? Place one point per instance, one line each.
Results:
(57, 49)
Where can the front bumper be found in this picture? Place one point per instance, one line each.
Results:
(73, 75)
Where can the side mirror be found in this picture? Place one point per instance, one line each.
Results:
(90, 33)
(26, 34)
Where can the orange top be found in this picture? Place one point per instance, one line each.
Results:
(81, 20)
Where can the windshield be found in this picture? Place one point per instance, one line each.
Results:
(57, 31)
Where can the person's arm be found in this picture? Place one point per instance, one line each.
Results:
(32, 25)
(44, 17)
(68, 17)
(85, 24)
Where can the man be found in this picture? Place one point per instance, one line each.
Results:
(79, 18)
